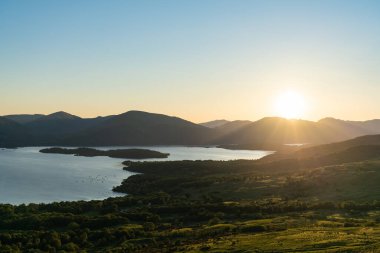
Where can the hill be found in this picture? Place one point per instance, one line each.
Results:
(337, 147)
(24, 118)
(217, 206)
(233, 126)
(215, 123)
(273, 131)
(52, 129)
(142, 128)
(354, 150)
(353, 127)
(12, 134)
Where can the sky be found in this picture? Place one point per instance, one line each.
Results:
(197, 59)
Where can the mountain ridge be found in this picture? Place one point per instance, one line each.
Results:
(215, 123)
(144, 128)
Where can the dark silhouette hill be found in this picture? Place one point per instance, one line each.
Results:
(142, 128)
(55, 123)
(54, 128)
(24, 118)
(12, 134)
(59, 116)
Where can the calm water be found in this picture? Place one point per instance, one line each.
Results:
(27, 176)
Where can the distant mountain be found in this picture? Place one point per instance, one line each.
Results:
(214, 123)
(275, 130)
(59, 116)
(24, 118)
(372, 125)
(233, 126)
(351, 128)
(52, 129)
(142, 128)
(12, 133)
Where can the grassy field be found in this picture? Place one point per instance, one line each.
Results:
(334, 233)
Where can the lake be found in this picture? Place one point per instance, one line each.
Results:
(28, 176)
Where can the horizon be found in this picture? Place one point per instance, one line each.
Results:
(196, 60)
(196, 122)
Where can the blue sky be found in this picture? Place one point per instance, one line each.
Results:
(198, 59)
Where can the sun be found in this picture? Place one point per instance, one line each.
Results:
(290, 105)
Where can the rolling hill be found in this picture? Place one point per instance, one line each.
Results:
(275, 131)
(54, 128)
(354, 150)
(143, 128)
(24, 118)
(12, 134)
(214, 123)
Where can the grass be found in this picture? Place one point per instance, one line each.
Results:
(311, 238)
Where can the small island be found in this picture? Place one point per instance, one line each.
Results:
(117, 153)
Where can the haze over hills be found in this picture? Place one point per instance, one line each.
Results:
(274, 130)
(357, 149)
(233, 126)
(215, 123)
(143, 128)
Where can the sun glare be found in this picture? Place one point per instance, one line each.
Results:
(290, 105)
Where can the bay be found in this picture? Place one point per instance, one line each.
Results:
(28, 176)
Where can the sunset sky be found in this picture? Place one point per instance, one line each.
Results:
(199, 60)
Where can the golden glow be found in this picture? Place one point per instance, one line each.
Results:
(290, 105)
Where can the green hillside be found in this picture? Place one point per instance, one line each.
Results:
(281, 204)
